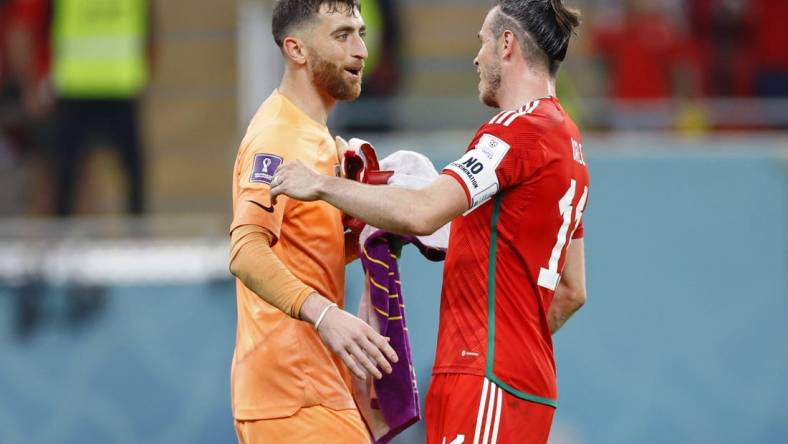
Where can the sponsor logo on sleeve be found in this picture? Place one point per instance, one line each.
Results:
(477, 168)
(268, 209)
(265, 165)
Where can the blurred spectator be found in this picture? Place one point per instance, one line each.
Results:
(770, 47)
(28, 48)
(10, 143)
(99, 64)
(24, 106)
(101, 51)
(24, 99)
(383, 41)
(719, 29)
(647, 55)
(381, 71)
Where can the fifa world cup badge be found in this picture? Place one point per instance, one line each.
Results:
(265, 165)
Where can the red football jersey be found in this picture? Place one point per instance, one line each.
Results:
(527, 183)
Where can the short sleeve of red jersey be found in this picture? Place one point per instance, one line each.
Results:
(498, 158)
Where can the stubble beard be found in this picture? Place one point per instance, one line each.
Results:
(491, 84)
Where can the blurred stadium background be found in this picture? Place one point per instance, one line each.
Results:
(119, 328)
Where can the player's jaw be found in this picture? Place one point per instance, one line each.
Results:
(342, 81)
(489, 81)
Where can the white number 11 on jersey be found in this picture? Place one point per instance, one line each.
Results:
(548, 277)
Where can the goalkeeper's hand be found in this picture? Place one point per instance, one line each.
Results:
(360, 347)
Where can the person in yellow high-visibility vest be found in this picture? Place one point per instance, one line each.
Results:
(100, 62)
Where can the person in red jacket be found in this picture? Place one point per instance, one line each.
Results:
(770, 47)
(643, 53)
(25, 41)
(719, 30)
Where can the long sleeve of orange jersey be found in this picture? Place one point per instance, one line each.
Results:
(255, 264)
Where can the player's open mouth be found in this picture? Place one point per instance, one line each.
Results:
(355, 73)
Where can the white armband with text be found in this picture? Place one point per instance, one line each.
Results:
(477, 169)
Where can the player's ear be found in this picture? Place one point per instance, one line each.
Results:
(294, 50)
(507, 44)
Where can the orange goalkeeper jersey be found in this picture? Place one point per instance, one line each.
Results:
(280, 363)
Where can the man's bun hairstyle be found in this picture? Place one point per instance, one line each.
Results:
(547, 24)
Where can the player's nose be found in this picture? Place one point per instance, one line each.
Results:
(360, 49)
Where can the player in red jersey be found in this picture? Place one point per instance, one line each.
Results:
(515, 269)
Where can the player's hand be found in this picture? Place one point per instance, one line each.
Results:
(296, 180)
(360, 347)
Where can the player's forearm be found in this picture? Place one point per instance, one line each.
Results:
(313, 306)
(255, 264)
(557, 318)
(391, 208)
(566, 302)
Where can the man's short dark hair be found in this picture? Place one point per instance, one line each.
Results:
(543, 28)
(289, 14)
